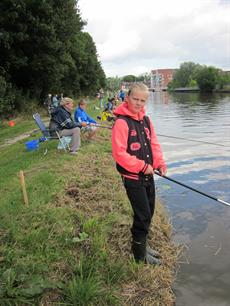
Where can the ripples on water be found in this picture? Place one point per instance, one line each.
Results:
(199, 222)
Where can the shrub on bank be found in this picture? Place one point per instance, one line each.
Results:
(6, 97)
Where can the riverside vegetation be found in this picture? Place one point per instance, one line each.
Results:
(70, 245)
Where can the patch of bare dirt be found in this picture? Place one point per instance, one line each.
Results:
(11, 141)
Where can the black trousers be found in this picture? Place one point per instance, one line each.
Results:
(141, 194)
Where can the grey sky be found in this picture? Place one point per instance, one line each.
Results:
(136, 36)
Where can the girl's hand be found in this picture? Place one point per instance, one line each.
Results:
(162, 170)
(149, 170)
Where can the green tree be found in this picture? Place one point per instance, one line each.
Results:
(144, 77)
(30, 46)
(113, 83)
(85, 74)
(192, 83)
(207, 78)
(44, 49)
(223, 79)
(6, 97)
(173, 84)
(92, 74)
(129, 78)
(185, 74)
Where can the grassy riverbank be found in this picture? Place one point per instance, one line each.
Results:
(71, 245)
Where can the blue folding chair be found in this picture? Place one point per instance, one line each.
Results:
(48, 133)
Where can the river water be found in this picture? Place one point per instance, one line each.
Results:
(201, 224)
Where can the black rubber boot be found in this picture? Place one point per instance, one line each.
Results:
(140, 254)
(151, 260)
(151, 251)
(139, 249)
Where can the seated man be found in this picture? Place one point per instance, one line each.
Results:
(81, 116)
(62, 122)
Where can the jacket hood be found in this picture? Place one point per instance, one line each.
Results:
(56, 110)
(123, 109)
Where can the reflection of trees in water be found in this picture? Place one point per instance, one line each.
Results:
(195, 101)
(186, 98)
(161, 96)
(213, 98)
(191, 105)
(189, 97)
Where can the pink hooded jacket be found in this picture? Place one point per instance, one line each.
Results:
(119, 142)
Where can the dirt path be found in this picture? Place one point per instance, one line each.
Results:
(11, 141)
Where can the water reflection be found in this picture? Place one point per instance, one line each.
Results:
(199, 222)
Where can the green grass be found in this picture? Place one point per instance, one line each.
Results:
(70, 245)
(21, 126)
(39, 243)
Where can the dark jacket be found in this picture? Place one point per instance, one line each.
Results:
(61, 119)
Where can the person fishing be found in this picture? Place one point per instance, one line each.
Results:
(137, 154)
(80, 115)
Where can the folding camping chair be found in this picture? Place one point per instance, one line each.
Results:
(48, 133)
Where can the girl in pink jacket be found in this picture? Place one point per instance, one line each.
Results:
(137, 154)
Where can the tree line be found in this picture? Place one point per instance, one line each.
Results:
(206, 78)
(189, 74)
(43, 49)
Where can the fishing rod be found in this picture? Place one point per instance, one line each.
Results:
(193, 189)
(177, 182)
(169, 136)
(102, 126)
(188, 139)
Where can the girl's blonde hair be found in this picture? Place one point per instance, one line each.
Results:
(139, 87)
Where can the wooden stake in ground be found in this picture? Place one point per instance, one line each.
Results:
(22, 181)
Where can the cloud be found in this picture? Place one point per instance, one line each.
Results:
(132, 35)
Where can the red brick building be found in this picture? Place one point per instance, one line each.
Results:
(160, 78)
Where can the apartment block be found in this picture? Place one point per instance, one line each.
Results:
(160, 78)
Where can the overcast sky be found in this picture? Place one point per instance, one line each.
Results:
(136, 36)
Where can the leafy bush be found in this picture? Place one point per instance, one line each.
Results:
(207, 78)
(7, 97)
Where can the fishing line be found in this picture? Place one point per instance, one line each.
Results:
(188, 139)
(169, 136)
(177, 182)
(193, 189)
